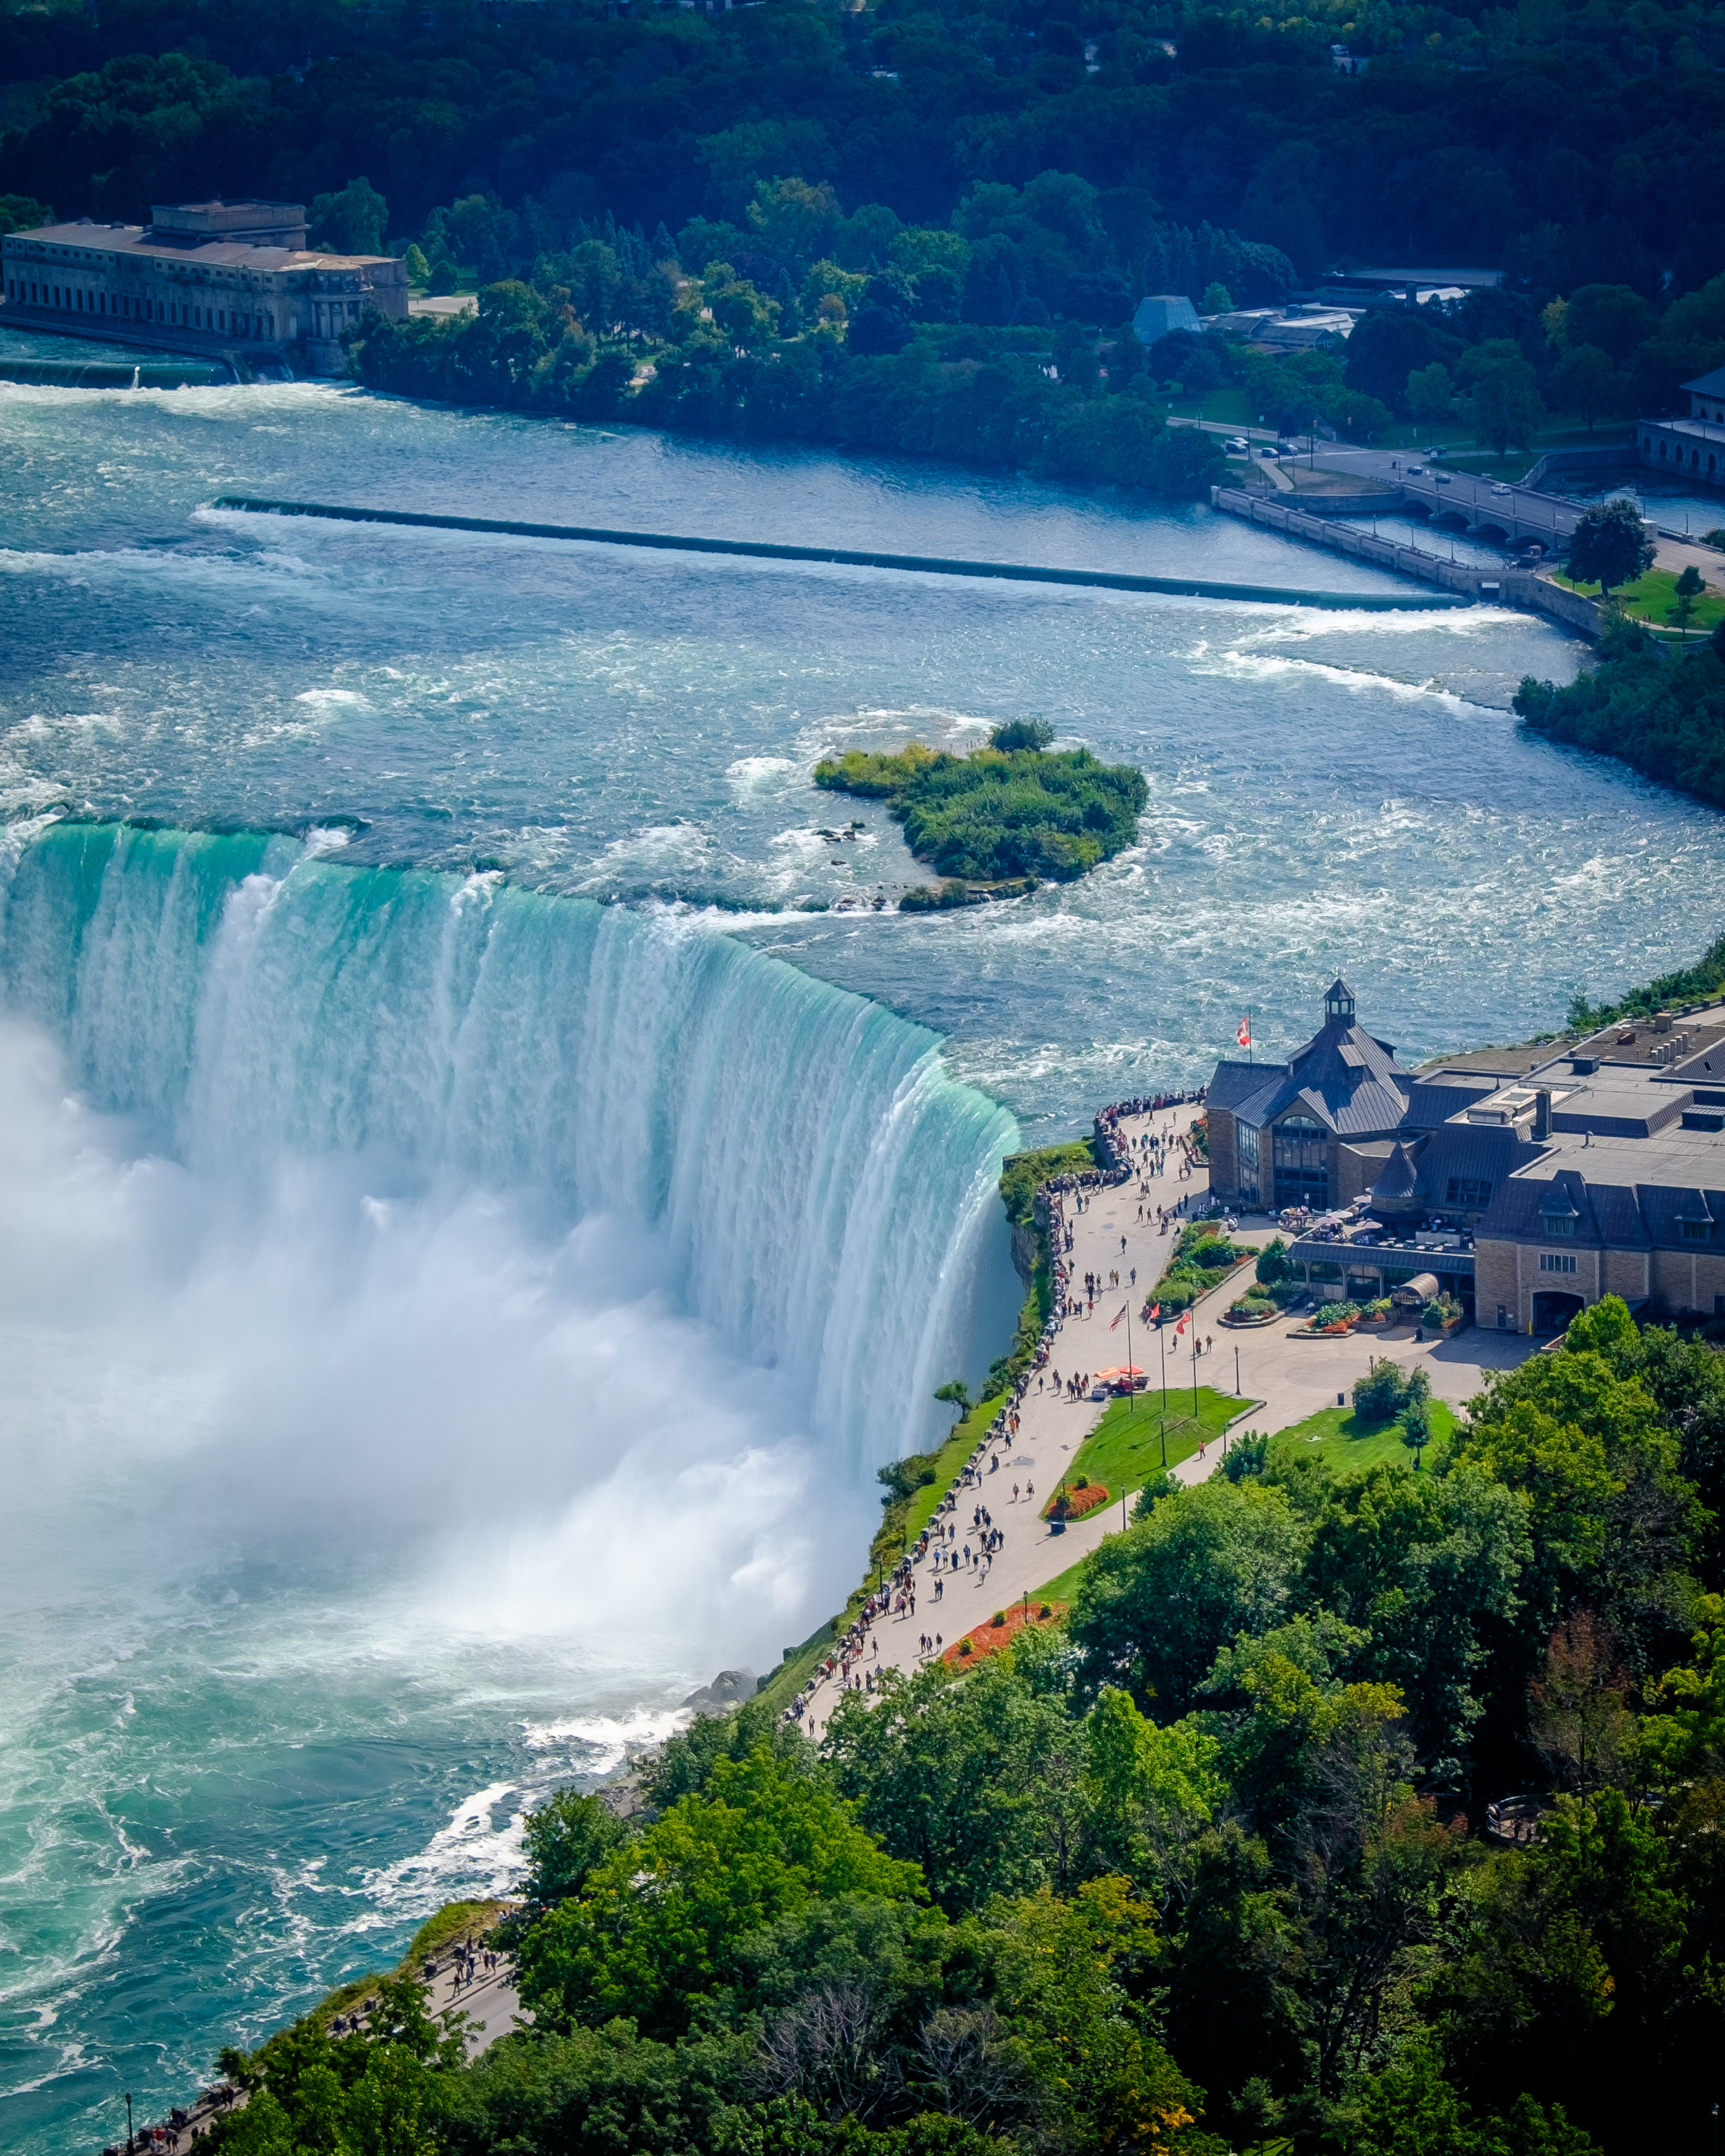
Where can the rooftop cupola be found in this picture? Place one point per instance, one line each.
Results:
(1396, 1192)
(1338, 1003)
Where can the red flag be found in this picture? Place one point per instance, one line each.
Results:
(1117, 1318)
(1181, 1326)
(1245, 1035)
(1153, 1313)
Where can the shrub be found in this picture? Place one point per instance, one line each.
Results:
(1336, 1313)
(1273, 1265)
(964, 1647)
(1252, 1306)
(1378, 1395)
(1000, 813)
(1247, 1456)
(1441, 1311)
(998, 1618)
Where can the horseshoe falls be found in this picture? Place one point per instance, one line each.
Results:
(484, 1186)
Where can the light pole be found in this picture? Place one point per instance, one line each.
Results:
(128, 2123)
(1237, 1394)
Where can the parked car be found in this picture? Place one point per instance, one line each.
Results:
(1235, 446)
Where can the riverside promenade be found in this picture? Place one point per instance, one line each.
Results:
(1288, 1379)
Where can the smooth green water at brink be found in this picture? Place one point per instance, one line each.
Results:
(444, 1318)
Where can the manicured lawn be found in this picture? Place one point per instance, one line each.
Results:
(1124, 1450)
(1226, 406)
(1652, 598)
(1341, 1441)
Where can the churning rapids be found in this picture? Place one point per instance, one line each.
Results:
(445, 1316)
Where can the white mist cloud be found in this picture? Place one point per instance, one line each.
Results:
(464, 1427)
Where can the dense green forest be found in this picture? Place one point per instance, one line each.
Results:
(1660, 710)
(1013, 810)
(1201, 1868)
(917, 226)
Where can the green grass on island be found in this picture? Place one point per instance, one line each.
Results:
(1012, 811)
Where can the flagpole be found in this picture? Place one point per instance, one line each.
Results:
(1162, 1343)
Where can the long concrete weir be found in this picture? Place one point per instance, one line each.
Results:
(936, 565)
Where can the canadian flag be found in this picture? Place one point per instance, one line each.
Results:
(1181, 1326)
(1245, 1035)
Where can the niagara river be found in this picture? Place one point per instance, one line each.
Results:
(487, 1184)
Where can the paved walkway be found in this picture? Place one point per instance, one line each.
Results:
(1289, 1378)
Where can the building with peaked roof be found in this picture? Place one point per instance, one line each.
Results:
(1288, 1134)
(1162, 313)
(230, 280)
(1527, 1191)
(1693, 447)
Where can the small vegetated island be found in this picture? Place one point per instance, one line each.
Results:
(1003, 819)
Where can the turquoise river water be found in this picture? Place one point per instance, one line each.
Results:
(447, 1315)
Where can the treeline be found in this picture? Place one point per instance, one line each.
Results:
(1705, 978)
(721, 367)
(1200, 1868)
(978, 164)
(1660, 711)
(1589, 140)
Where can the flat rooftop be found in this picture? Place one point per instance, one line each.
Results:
(134, 239)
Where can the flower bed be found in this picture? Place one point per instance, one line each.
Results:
(988, 1638)
(1075, 1502)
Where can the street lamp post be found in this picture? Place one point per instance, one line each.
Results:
(128, 2123)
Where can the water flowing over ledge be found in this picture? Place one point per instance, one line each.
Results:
(823, 1187)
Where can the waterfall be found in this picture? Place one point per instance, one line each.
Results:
(822, 1189)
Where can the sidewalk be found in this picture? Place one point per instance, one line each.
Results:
(1051, 1427)
(1289, 1378)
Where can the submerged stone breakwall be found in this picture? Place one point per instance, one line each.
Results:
(919, 564)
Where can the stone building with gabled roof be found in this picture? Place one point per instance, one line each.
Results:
(1527, 1191)
(1286, 1134)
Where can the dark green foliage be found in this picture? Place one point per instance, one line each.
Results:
(902, 1478)
(1273, 1265)
(1022, 1174)
(1156, 1603)
(1610, 545)
(684, 1763)
(1001, 812)
(564, 1839)
(1022, 733)
(1663, 714)
(1378, 1395)
(1231, 1808)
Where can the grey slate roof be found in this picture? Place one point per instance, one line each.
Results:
(1400, 1179)
(1709, 385)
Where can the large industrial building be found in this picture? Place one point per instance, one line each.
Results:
(1527, 1187)
(232, 281)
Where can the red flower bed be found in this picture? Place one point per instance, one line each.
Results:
(989, 1638)
(1080, 1498)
